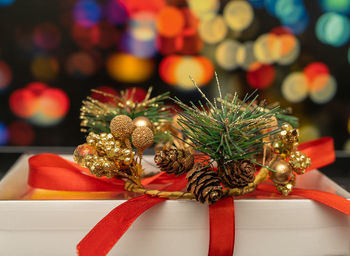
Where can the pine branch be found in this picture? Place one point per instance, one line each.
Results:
(96, 115)
(228, 128)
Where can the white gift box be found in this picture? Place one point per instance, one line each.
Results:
(276, 226)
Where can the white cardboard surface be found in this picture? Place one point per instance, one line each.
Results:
(263, 226)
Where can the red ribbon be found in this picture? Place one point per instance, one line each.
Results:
(50, 171)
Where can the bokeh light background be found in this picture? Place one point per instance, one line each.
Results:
(52, 53)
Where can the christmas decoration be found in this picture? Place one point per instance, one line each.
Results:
(249, 142)
(204, 184)
(174, 161)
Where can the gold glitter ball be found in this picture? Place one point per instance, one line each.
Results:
(121, 126)
(142, 138)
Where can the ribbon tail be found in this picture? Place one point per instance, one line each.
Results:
(331, 200)
(100, 240)
(222, 228)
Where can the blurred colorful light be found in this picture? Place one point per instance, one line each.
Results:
(266, 48)
(5, 75)
(170, 21)
(291, 13)
(289, 49)
(204, 9)
(40, 104)
(47, 36)
(176, 70)
(167, 68)
(87, 13)
(261, 76)
(136, 94)
(53, 103)
(313, 70)
(226, 54)
(279, 47)
(191, 22)
(23, 103)
(103, 35)
(80, 65)
(6, 2)
(257, 3)
(309, 132)
(295, 87)
(238, 15)
(83, 36)
(324, 88)
(333, 29)
(128, 68)
(115, 12)
(105, 98)
(136, 6)
(4, 135)
(142, 26)
(339, 6)
(213, 30)
(139, 48)
(44, 68)
(21, 133)
(245, 55)
(190, 44)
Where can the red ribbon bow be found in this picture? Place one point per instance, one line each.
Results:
(48, 171)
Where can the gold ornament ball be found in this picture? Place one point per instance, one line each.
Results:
(121, 126)
(283, 171)
(81, 152)
(142, 138)
(286, 127)
(142, 121)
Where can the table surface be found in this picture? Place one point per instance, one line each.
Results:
(339, 171)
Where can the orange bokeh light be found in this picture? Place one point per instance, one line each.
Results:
(170, 21)
(167, 68)
(53, 103)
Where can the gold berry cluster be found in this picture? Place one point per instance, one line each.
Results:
(107, 156)
(111, 154)
(287, 160)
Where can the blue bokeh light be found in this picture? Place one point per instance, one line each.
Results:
(6, 2)
(338, 6)
(333, 29)
(4, 135)
(87, 12)
(258, 4)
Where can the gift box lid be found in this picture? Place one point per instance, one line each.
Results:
(292, 226)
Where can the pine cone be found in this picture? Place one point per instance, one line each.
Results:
(174, 161)
(204, 183)
(237, 173)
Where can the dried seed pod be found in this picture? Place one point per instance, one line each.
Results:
(204, 184)
(174, 161)
(237, 173)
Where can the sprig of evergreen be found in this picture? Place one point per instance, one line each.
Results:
(229, 129)
(96, 115)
